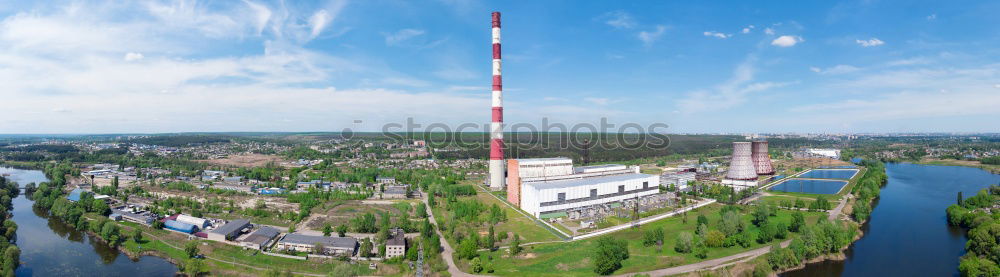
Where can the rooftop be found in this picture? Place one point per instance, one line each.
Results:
(329, 241)
(566, 183)
(262, 235)
(543, 160)
(398, 237)
(232, 226)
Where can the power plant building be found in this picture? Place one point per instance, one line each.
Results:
(750, 160)
(741, 174)
(762, 159)
(552, 187)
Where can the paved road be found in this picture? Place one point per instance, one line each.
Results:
(840, 207)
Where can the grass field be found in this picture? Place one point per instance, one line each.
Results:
(574, 258)
(516, 223)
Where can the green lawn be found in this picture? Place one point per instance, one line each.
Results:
(573, 258)
(516, 223)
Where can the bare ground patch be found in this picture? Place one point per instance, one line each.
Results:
(246, 160)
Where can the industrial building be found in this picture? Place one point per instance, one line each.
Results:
(179, 226)
(552, 187)
(201, 223)
(762, 159)
(750, 161)
(230, 230)
(141, 218)
(741, 174)
(331, 245)
(395, 246)
(260, 239)
(826, 153)
(678, 179)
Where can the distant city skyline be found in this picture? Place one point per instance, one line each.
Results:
(91, 67)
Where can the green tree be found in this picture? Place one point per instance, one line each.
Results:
(421, 211)
(476, 264)
(191, 248)
(972, 266)
(327, 229)
(731, 223)
(490, 241)
(609, 254)
(959, 198)
(702, 230)
(702, 219)
(684, 242)
(366, 247)
(760, 215)
(194, 267)
(714, 238)
(798, 222)
(653, 236)
(515, 245)
(341, 230)
(467, 248)
(136, 235)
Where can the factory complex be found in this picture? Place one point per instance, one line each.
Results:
(750, 160)
(553, 187)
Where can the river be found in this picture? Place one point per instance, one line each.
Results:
(49, 247)
(908, 233)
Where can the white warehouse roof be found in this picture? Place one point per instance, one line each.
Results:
(586, 181)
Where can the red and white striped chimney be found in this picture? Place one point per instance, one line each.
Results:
(496, 126)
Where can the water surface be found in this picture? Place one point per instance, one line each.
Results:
(843, 174)
(49, 247)
(810, 186)
(908, 233)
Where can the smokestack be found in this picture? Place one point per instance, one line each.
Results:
(496, 127)
(762, 159)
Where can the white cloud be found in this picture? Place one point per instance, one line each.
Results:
(716, 34)
(996, 86)
(648, 38)
(746, 30)
(786, 41)
(728, 94)
(132, 56)
(402, 35)
(455, 72)
(618, 19)
(932, 17)
(870, 43)
(910, 61)
(837, 69)
(769, 31)
(262, 15)
(601, 101)
(318, 22)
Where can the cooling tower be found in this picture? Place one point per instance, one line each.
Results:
(761, 158)
(496, 126)
(741, 167)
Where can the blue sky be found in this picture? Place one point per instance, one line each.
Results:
(734, 66)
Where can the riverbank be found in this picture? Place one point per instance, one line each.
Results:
(764, 262)
(995, 169)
